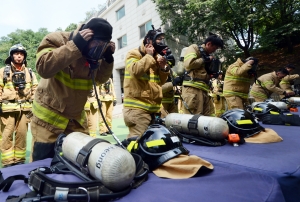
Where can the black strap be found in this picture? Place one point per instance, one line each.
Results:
(193, 124)
(6, 184)
(6, 73)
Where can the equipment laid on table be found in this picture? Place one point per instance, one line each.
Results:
(198, 129)
(264, 108)
(281, 119)
(157, 145)
(109, 172)
(242, 122)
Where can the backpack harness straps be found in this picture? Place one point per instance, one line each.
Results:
(6, 73)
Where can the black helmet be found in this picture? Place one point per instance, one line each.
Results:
(158, 145)
(16, 48)
(241, 122)
(261, 109)
(153, 35)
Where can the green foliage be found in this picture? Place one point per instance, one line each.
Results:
(71, 27)
(238, 22)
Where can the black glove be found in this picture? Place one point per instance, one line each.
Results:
(80, 42)
(114, 102)
(273, 119)
(218, 97)
(177, 81)
(108, 55)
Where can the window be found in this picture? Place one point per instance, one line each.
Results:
(122, 42)
(121, 13)
(140, 2)
(145, 28)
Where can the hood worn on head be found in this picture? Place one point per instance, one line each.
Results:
(101, 28)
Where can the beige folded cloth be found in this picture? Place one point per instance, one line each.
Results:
(181, 167)
(267, 136)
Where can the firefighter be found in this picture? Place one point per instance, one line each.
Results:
(91, 110)
(108, 101)
(169, 101)
(195, 84)
(287, 81)
(237, 82)
(145, 72)
(17, 87)
(267, 84)
(66, 62)
(217, 94)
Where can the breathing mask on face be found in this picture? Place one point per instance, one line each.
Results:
(94, 51)
(252, 71)
(19, 80)
(153, 35)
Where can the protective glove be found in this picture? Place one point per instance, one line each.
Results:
(80, 42)
(114, 102)
(108, 55)
(273, 119)
(177, 81)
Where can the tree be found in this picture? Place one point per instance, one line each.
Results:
(281, 24)
(234, 20)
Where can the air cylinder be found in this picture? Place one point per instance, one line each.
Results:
(112, 165)
(280, 105)
(213, 128)
(295, 100)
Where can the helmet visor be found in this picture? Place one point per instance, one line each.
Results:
(96, 49)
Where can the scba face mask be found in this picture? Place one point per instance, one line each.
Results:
(95, 51)
(19, 80)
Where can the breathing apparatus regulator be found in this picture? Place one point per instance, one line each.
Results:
(19, 80)
(213, 66)
(198, 129)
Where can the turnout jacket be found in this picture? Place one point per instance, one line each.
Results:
(11, 98)
(143, 80)
(91, 99)
(66, 83)
(237, 80)
(195, 67)
(269, 84)
(285, 83)
(107, 91)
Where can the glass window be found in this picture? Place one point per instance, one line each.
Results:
(145, 28)
(140, 2)
(121, 13)
(122, 42)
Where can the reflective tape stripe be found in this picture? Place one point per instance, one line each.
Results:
(131, 60)
(76, 84)
(190, 55)
(258, 109)
(7, 155)
(232, 93)
(49, 116)
(241, 122)
(142, 105)
(20, 153)
(45, 50)
(195, 84)
(131, 146)
(272, 112)
(258, 94)
(154, 143)
(237, 78)
(152, 77)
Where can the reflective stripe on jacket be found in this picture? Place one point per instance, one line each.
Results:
(66, 80)
(142, 81)
(237, 80)
(285, 83)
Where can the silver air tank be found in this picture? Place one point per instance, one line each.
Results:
(294, 100)
(280, 105)
(209, 127)
(112, 165)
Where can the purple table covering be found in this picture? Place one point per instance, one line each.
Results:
(279, 160)
(222, 184)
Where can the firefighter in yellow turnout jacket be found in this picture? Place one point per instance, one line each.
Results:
(17, 87)
(91, 110)
(217, 94)
(237, 83)
(286, 83)
(145, 73)
(195, 84)
(108, 101)
(65, 61)
(169, 103)
(267, 84)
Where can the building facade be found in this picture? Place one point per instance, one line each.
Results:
(131, 20)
